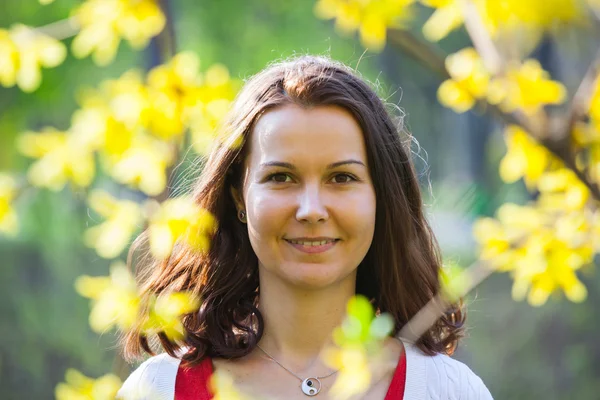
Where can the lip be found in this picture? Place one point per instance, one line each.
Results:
(313, 249)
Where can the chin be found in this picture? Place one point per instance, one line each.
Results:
(313, 275)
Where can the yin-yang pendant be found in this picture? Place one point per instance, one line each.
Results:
(310, 387)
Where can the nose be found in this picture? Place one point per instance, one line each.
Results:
(311, 207)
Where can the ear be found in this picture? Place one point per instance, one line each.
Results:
(237, 199)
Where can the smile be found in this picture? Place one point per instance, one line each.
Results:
(313, 246)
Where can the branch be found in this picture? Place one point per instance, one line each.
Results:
(558, 143)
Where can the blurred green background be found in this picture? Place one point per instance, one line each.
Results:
(519, 351)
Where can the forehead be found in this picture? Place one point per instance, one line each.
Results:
(319, 135)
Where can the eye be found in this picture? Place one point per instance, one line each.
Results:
(277, 178)
(349, 178)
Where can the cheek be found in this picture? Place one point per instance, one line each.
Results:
(267, 212)
(359, 215)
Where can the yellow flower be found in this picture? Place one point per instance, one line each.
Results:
(110, 118)
(452, 95)
(559, 274)
(105, 22)
(180, 218)
(494, 242)
(371, 17)
(205, 123)
(81, 387)
(142, 20)
(541, 248)
(447, 17)
(173, 88)
(561, 189)
(144, 165)
(212, 104)
(115, 120)
(60, 159)
(529, 19)
(166, 312)
(96, 128)
(8, 217)
(24, 51)
(127, 99)
(115, 298)
(469, 81)
(354, 374)
(9, 54)
(123, 218)
(520, 218)
(454, 281)
(524, 158)
(529, 88)
(537, 14)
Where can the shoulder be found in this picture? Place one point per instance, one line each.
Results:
(441, 376)
(154, 379)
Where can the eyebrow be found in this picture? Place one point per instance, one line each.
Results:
(292, 167)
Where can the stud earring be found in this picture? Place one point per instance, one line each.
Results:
(242, 216)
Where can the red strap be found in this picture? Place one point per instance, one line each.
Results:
(396, 390)
(192, 383)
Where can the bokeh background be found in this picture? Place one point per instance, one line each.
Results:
(520, 351)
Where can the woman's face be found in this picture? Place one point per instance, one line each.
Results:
(308, 194)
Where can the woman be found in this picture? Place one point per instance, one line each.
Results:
(317, 200)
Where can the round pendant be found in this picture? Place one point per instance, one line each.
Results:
(311, 386)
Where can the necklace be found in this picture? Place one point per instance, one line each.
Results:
(308, 384)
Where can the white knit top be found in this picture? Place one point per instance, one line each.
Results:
(438, 377)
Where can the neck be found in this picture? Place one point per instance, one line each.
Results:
(299, 322)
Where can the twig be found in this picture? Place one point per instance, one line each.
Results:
(426, 317)
(581, 98)
(595, 11)
(481, 38)
(60, 30)
(421, 51)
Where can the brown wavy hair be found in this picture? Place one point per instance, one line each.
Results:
(399, 274)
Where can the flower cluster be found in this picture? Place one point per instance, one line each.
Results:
(115, 299)
(180, 218)
(541, 249)
(524, 86)
(60, 158)
(23, 52)
(105, 22)
(135, 126)
(116, 303)
(544, 243)
(499, 17)
(123, 219)
(371, 17)
(80, 387)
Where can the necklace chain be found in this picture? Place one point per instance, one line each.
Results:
(271, 357)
